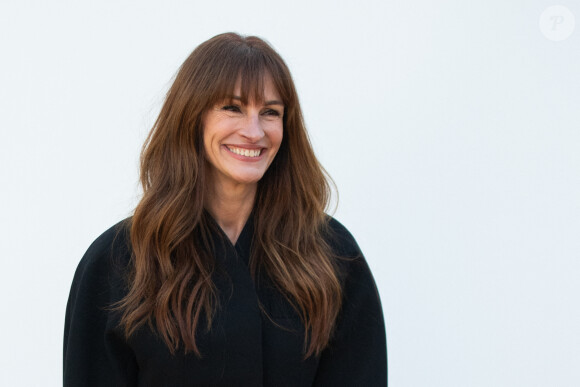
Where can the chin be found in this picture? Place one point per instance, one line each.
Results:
(247, 178)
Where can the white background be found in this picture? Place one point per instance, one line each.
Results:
(451, 128)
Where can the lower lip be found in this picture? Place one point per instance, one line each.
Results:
(245, 158)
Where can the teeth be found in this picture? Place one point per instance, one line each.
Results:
(245, 152)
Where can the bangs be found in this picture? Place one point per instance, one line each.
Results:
(247, 67)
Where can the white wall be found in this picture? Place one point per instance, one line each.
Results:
(452, 130)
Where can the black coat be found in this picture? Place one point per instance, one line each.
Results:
(243, 348)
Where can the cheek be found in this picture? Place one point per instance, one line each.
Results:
(210, 135)
(276, 135)
(208, 143)
(207, 148)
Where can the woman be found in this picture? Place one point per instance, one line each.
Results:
(229, 273)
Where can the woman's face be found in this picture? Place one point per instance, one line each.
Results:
(240, 140)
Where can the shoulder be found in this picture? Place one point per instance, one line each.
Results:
(356, 354)
(350, 261)
(93, 348)
(105, 260)
(341, 240)
(352, 266)
(111, 246)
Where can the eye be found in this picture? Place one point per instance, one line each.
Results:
(272, 112)
(231, 108)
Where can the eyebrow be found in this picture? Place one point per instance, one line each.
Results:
(267, 103)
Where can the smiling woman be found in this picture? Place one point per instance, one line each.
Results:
(229, 273)
(240, 139)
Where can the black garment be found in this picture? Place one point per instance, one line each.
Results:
(243, 348)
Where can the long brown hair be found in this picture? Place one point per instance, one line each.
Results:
(170, 284)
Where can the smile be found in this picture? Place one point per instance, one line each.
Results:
(244, 152)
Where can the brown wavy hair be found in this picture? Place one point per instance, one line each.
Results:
(170, 285)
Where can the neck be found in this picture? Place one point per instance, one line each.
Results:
(230, 204)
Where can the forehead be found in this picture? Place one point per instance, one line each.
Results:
(256, 90)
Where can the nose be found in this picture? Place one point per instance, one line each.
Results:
(252, 128)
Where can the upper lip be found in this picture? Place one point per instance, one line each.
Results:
(245, 146)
